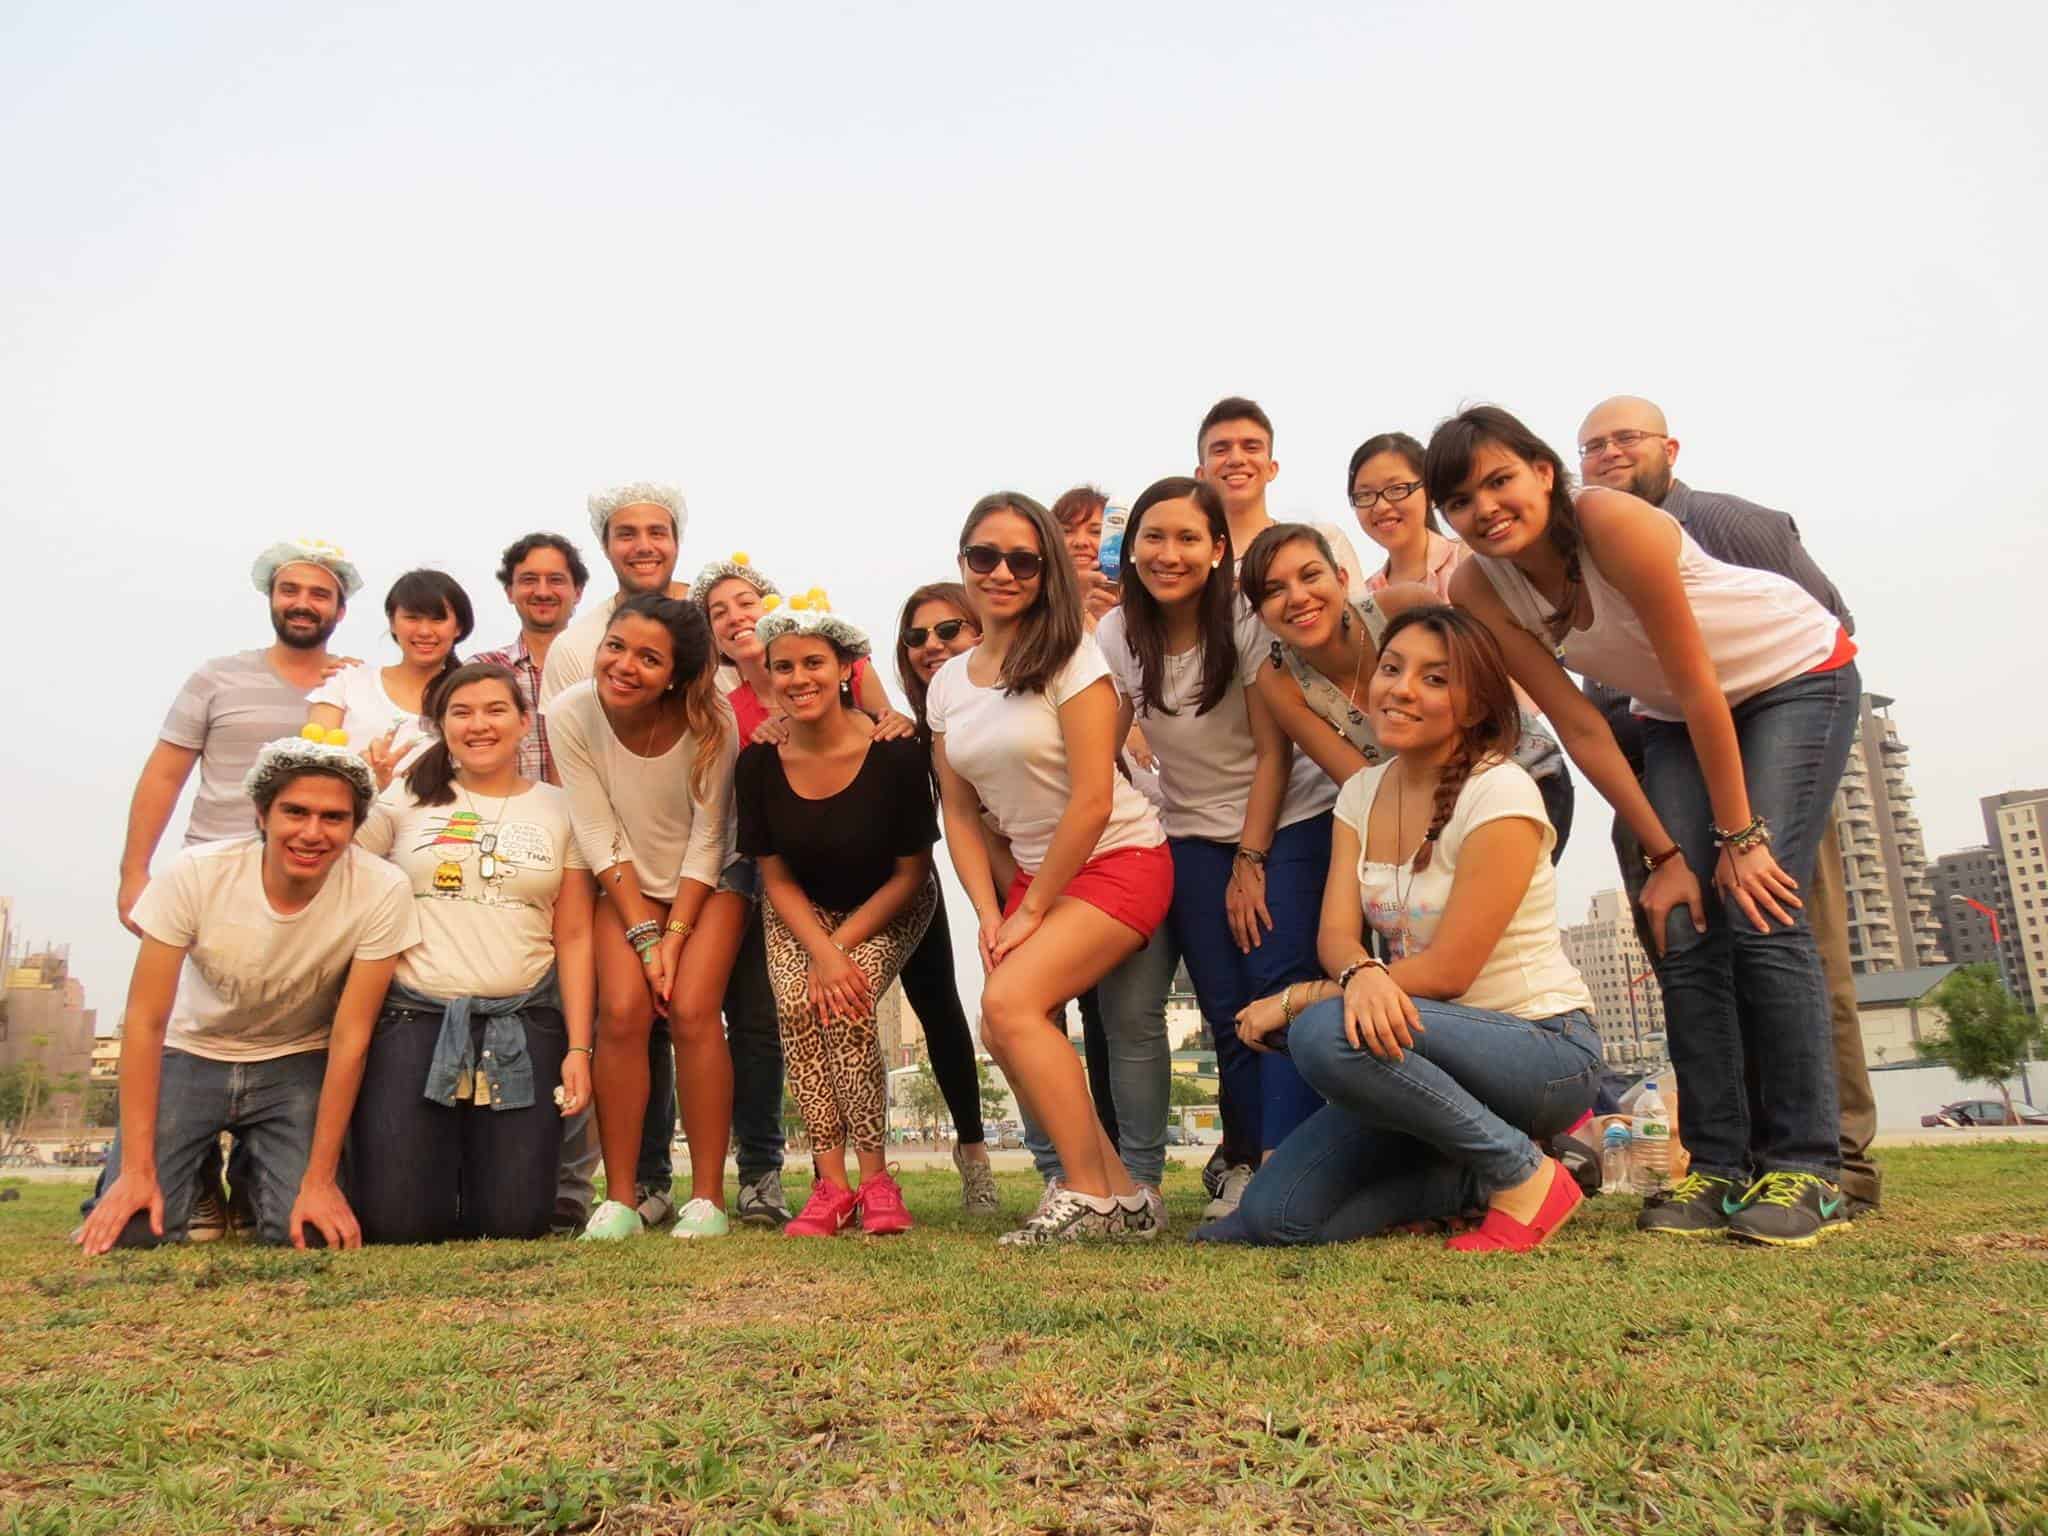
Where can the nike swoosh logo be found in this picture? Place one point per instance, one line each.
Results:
(1730, 1207)
(1828, 1208)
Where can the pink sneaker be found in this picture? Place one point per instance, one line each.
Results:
(826, 1214)
(881, 1207)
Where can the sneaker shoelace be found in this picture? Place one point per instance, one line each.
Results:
(1778, 1189)
(1692, 1187)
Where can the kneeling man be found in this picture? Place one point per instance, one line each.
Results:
(254, 950)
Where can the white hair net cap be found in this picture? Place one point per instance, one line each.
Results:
(328, 557)
(639, 493)
(290, 755)
(813, 620)
(725, 570)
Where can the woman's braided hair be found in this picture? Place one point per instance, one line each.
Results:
(1484, 697)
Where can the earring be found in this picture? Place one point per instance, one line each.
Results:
(1345, 620)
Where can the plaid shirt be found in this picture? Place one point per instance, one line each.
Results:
(535, 760)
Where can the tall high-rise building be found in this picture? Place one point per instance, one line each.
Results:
(1890, 898)
(2016, 825)
(1627, 1007)
(1969, 890)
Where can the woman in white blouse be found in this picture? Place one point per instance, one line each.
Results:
(1446, 1066)
(645, 748)
(380, 707)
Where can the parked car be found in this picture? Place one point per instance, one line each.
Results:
(1984, 1112)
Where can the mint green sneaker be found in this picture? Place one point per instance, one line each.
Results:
(700, 1218)
(612, 1222)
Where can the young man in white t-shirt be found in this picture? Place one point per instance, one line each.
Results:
(1234, 453)
(254, 951)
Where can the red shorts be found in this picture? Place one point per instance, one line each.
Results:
(1133, 885)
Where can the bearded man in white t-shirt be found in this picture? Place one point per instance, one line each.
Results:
(255, 950)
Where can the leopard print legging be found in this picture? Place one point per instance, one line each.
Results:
(836, 1070)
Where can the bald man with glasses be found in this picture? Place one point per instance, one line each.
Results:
(1625, 444)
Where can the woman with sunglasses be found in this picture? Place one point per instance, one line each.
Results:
(646, 750)
(1247, 818)
(936, 625)
(1324, 638)
(1025, 725)
(1384, 484)
(484, 1044)
(1749, 691)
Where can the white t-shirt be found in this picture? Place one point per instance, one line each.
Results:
(484, 874)
(367, 712)
(259, 983)
(1206, 761)
(1528, 973)
(1013, 753)
(625, 807)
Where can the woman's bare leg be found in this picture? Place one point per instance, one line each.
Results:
(618, 1067)
(703, 1061)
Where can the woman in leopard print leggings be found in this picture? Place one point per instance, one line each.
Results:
(842, 825)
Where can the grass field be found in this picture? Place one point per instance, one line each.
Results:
(1894, 1380)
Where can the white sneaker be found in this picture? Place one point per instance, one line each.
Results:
(1228, 1193)
(1053, 1188)
(700, 1218)
(1066, 1217)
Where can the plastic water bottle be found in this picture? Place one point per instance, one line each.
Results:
(1614, 1169)
(1109, 558)
(1650, 1146)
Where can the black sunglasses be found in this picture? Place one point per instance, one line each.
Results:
(945, 629)
(982, 559)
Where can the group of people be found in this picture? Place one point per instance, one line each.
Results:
(448, 933)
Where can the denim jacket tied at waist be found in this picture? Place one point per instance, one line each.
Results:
(501, 1074)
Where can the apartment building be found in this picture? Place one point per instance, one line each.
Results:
(1628, 1009)
(2015, 826)
(1974, 909)
(1885, 875)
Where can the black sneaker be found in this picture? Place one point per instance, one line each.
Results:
(1789, 1210)
(1698, 1205)
(1213, 1172)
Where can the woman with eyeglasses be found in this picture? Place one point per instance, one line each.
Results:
(1247, 818)
(935, 626)
(1324, 638)
(1749, 693)
(1024, 724)
(646, 750)
(484, 1044)
(1384, 484)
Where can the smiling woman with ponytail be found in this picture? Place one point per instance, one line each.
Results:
(1446, 1064)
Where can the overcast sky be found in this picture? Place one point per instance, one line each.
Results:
(416, 278)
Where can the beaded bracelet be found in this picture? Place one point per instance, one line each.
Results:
(1757, 832)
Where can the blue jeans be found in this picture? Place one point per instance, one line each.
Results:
(1264, 1097)
(1428, 1136)
(1734, 996)
(268, 1105)
(422, 1172)
(1140, 1062)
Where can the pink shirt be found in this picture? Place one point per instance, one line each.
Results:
(1445, 556)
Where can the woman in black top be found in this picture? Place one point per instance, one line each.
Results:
(842, 826)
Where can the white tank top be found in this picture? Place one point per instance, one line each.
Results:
(1760, 628)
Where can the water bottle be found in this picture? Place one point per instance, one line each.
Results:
(1614, 1169)
(1109, 559)
(1650, 1146)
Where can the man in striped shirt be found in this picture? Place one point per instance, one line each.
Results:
(1625, 445)
(543, 576)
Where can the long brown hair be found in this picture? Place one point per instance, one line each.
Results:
(1145, 620)
(1480, 673)
(1448, 463)
(1257, 565)
(915, 688)
(431, 778)
(1051, 629)
(693, 677)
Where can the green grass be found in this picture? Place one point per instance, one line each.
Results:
(1893, 1380)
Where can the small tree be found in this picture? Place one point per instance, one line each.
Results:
(1988, 1036)
(1185, 1089)
(922, 1098)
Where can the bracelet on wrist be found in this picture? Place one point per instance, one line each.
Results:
(680, 930)
(587, 1050)
(1362, 963)
(1757, 833)
(1287, 1009)
(1256, 857)
(1656, 861)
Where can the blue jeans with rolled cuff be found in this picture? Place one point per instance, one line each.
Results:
(269, 1106)
(1432, 1135)
(424, 1172)
(1735, 997)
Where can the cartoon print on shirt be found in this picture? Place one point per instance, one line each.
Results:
(476, 861)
